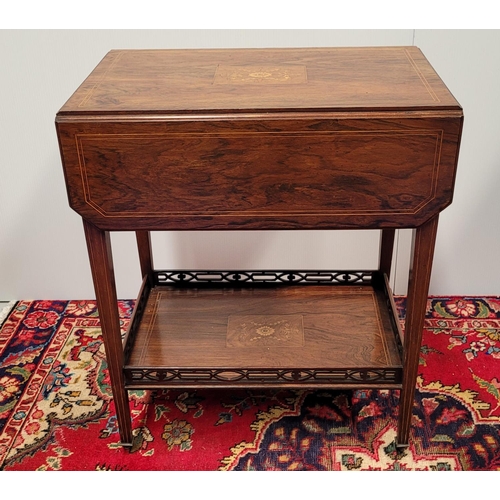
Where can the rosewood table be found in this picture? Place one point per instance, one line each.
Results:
(261, 139)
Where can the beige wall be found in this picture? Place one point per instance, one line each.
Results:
(42, 249)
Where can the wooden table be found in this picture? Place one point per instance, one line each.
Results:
(264, 139)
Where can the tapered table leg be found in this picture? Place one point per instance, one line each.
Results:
(386, 251)
(418, 288)
(145, 254)
(101, 263)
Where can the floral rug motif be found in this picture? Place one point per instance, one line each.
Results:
(57, 412)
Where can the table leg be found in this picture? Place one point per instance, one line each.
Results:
(101, 263)
(418, 288)
(386, 251)
(145, 254)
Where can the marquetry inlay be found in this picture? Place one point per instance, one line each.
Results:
(261, 74)
(265, 330)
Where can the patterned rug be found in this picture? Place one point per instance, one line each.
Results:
(56, 410)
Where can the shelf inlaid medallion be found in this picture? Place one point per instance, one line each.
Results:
(265, 330)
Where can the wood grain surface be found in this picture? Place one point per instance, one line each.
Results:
(260, 139)
(222, 80)
(261, 173)
(214, 327)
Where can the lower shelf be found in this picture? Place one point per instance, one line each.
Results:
(261, 334)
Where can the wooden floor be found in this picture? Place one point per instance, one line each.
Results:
(263, 327)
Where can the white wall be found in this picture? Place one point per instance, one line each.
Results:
(467, 259)
(42, 248)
